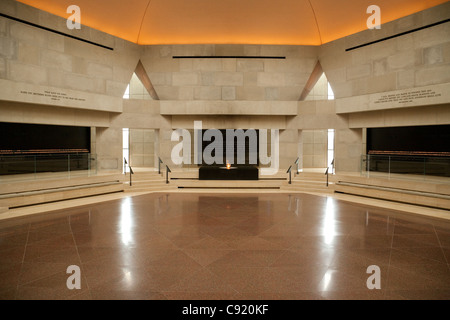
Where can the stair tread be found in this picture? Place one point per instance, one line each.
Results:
(391, 189)
(309, 181)
(56, 190)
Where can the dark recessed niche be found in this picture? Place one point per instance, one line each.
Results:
(19, 138)
(426, 139)
(423, 150)
(35, 148)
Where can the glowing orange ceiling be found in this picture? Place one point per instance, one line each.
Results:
(287, 22)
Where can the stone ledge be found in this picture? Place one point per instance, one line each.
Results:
(413, 97)
(52, 190)
(218, 107)
(394, 194)
(59, 194)
(58, 97)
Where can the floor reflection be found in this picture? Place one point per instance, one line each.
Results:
(225, 246)
(126, 221)
(329, 222)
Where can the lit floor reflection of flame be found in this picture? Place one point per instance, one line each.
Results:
(327, 280)
(329, 223)
(126, 222)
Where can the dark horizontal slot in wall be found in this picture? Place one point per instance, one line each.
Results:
(55, 31)
(228, 57)
(398, 35)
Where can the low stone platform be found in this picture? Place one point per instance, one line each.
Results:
(241, 173)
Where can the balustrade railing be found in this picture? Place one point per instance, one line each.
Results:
(167, 169)
(23, 167)
(295, 164)
(406, 167)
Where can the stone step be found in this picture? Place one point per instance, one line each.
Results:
(31, 184)
(310, 185)
(144, 184)
(193, 174)
(144, 176)
(438, 185)
(154, 188)
(137, 179)
(324, 189)
(310, 182)
(27, 198)
(430, 199)
(314, 177)
(311, 173)
(229, 184)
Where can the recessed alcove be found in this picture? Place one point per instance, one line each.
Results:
(423, 150)
(36, 148)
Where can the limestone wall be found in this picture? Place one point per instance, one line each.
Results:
(204, 79)
(416, 59)
(46, 60)
(49, 78)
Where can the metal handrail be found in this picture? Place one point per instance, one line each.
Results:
(167, 174)
(160, 161)
(297, 162)
(290, 177)
(125, 163)
(327, 172)
(131, 173)
(159, 165)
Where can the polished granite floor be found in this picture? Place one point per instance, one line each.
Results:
(182, 246)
